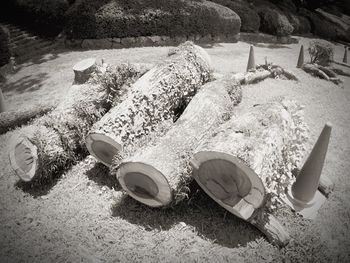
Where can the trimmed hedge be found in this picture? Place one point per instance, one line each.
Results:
(300, 24)
(44, 16)
(319, 25)
(4, 47)
(250, 20)
(122, 18)
(273, 21)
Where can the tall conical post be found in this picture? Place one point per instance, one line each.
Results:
(251, 60)
(301, 57)
(307, 181)
(345, 59)
(2, 102)
(303, 195)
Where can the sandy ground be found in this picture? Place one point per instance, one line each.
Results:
(84, 217)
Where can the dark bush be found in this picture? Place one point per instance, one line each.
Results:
(122, 18)
(300, 24)
(321, 53)
(4, 47)
(44, 16)
(285, 5)
(319, 25)
(274, 22)
(250, 20)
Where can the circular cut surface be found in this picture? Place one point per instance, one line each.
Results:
(84, 64)
(23, 158)
(230, 182)
(225, 180)
(144, 183)
(103, 148)
(141, 185)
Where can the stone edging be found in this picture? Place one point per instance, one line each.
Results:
(127, 42)
(266, 38)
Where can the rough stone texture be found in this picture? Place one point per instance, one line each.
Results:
(74, 43)
(129, 41)
(104, 43)
(118, 43)
(155, 39)
(171, 154)
(60, 135)
(266, 38)
(269, 138)
(154, 98)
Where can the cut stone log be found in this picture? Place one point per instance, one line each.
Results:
(314, 70)
(83, 70)
(263, 72)
(155, 97)
(158, 174)
(322, 72)
(13, 119)
(55, 141)
(256, 76)
(339, 71)
(250, 158)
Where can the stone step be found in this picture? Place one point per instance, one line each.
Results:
(36, 53)
(30, 48)
(31, 42)
(20, 37)
(24, 41)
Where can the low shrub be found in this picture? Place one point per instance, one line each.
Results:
(274, 22)
(4, 46)
(122, 18)
(250, 20)
(320, 53)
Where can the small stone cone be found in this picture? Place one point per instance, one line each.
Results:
(2, 102)
(301, 57)
(307, 181)
(345, 59)
(251, 60)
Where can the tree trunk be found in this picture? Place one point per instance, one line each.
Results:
(57, 140)
(13, 119)
(83, 70)
(155, 97)
(158, 174)
(251, 157)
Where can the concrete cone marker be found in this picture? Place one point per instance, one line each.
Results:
(2, 102)
(301, 57)
(303, 195)
(251, 60)
(345, 59)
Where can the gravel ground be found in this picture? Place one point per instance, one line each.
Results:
(84, 217)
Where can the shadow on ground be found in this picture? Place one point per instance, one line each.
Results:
(208, 218)
(27, 83)
(37, 189)
(99, 173)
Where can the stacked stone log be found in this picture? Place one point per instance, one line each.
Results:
(155, 97)
(12, 119)
(248, 162)
(55, 141)
(158, 175)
